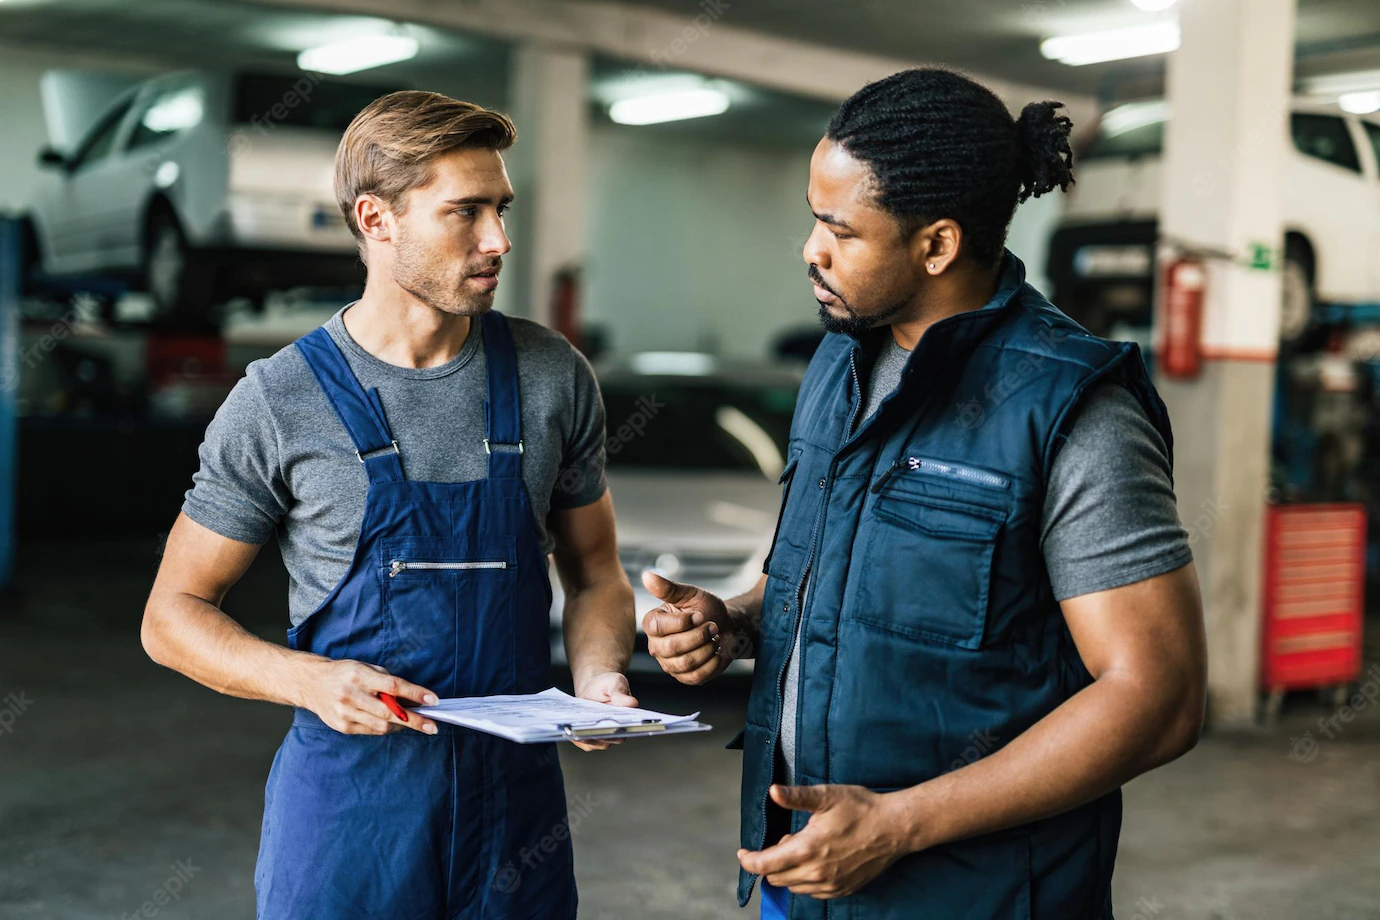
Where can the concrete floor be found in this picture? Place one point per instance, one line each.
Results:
(124, 785)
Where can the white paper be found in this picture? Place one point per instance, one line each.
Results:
(540, 716)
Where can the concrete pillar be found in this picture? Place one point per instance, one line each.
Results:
(1228, 89)
(548, 167)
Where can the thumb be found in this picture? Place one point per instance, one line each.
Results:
(801, 798)
(666, 590)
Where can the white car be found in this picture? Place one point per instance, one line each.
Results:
(1102, 257)
(693, 467)
(200, 185)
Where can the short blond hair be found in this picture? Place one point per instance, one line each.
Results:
(388, 148)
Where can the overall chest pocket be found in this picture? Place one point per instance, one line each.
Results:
(929, 564)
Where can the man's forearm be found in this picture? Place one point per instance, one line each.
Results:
(600, 629)
(1104, 736)
(194, 637)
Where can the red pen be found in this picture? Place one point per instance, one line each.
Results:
(392, 703)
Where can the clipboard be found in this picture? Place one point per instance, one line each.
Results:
(553, 715)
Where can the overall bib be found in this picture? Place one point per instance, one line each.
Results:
(449, 589)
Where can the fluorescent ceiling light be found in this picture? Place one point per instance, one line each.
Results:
(357, 54)
(1154, 6)
(674, 105)
(1112, 45)
(1362, 103)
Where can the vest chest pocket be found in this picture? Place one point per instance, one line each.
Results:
(929, 567)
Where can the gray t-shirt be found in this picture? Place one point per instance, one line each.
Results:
(1109, 518)
(276, 458)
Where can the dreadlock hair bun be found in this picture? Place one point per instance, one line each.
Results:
(941, 145)
(1048, 158)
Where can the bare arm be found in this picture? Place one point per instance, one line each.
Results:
(185, 629)
(1143, 644)
(598, 618)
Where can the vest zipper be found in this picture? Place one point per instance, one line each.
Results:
(955, 471)
(397, 566)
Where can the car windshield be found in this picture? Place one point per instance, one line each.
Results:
(1134, 129)
(704, 424)
(281, 100)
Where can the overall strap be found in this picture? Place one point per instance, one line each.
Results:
(360, 411)
(503, 408)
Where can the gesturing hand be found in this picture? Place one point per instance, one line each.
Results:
(345, 695)
(852, 837)
(691, 634)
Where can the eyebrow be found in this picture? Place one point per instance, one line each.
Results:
(479, 199)
(827, 218)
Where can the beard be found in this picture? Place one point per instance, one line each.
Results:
(425, 275)
(853, 323)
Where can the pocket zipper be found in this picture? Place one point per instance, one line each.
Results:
(940, 468)
(397, 566)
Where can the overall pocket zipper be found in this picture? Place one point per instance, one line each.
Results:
(948, 470)
(397, 566)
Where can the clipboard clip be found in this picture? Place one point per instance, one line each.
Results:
(602, 729)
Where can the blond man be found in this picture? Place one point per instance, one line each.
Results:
(417, 458)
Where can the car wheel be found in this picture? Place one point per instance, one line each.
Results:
(173, 275)
(1296, 298)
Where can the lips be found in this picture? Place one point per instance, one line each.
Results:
(487, 280)
(824, 296)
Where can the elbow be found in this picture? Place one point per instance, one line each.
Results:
(151, 634)
(1186, 726)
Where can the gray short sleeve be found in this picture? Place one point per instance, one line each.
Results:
(1110, 517)
(239, 491)
(581, 480)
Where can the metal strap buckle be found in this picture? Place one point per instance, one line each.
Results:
(489, 450)
(375, 453)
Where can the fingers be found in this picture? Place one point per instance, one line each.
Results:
(774, 860)
(689, 661)
(681, 643)
(622, 699)
(800, 798)
(667, 591)
(381, 681)
(666, 622)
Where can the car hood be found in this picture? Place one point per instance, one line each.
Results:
(676, 510)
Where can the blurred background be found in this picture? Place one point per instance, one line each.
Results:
(166, 217)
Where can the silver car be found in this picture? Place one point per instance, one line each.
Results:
(198, 184)
(694, 454)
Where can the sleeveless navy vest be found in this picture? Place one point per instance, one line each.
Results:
(930, 634)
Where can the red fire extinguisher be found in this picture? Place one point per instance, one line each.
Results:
(1180, 351)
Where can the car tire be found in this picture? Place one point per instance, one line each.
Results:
(175, 277)
(1297, 296)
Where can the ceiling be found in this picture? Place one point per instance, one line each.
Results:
(998, 38)
(1001, 38)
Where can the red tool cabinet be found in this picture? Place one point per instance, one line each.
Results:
(1315, 570)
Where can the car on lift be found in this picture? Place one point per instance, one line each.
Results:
(201, 186)
(696, 449)
(1102, 257)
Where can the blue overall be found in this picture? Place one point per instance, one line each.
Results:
(449, 589)
(930, 636)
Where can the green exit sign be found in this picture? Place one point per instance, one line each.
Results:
(1261, 257)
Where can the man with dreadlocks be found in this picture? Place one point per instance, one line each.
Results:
(979, 616)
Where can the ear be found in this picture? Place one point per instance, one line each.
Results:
(374, 218)
(934, 247)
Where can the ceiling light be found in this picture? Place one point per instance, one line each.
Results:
(357, 54)
(1362, 103)
(1154, 6)
(1112, 45)
(1133, 115)
(674, 105)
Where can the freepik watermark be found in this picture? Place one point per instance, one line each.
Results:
(14, 706)
(509, 878)
(170, 891)
(646, 408)
(1304, 748)
(696, 30)
(972, 411)
(980, 744)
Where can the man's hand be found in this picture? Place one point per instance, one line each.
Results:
(345, 694)
(854, 834)
(606, 687)
(691, 634)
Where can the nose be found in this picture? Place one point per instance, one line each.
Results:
(815, 253)
(493, 239)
